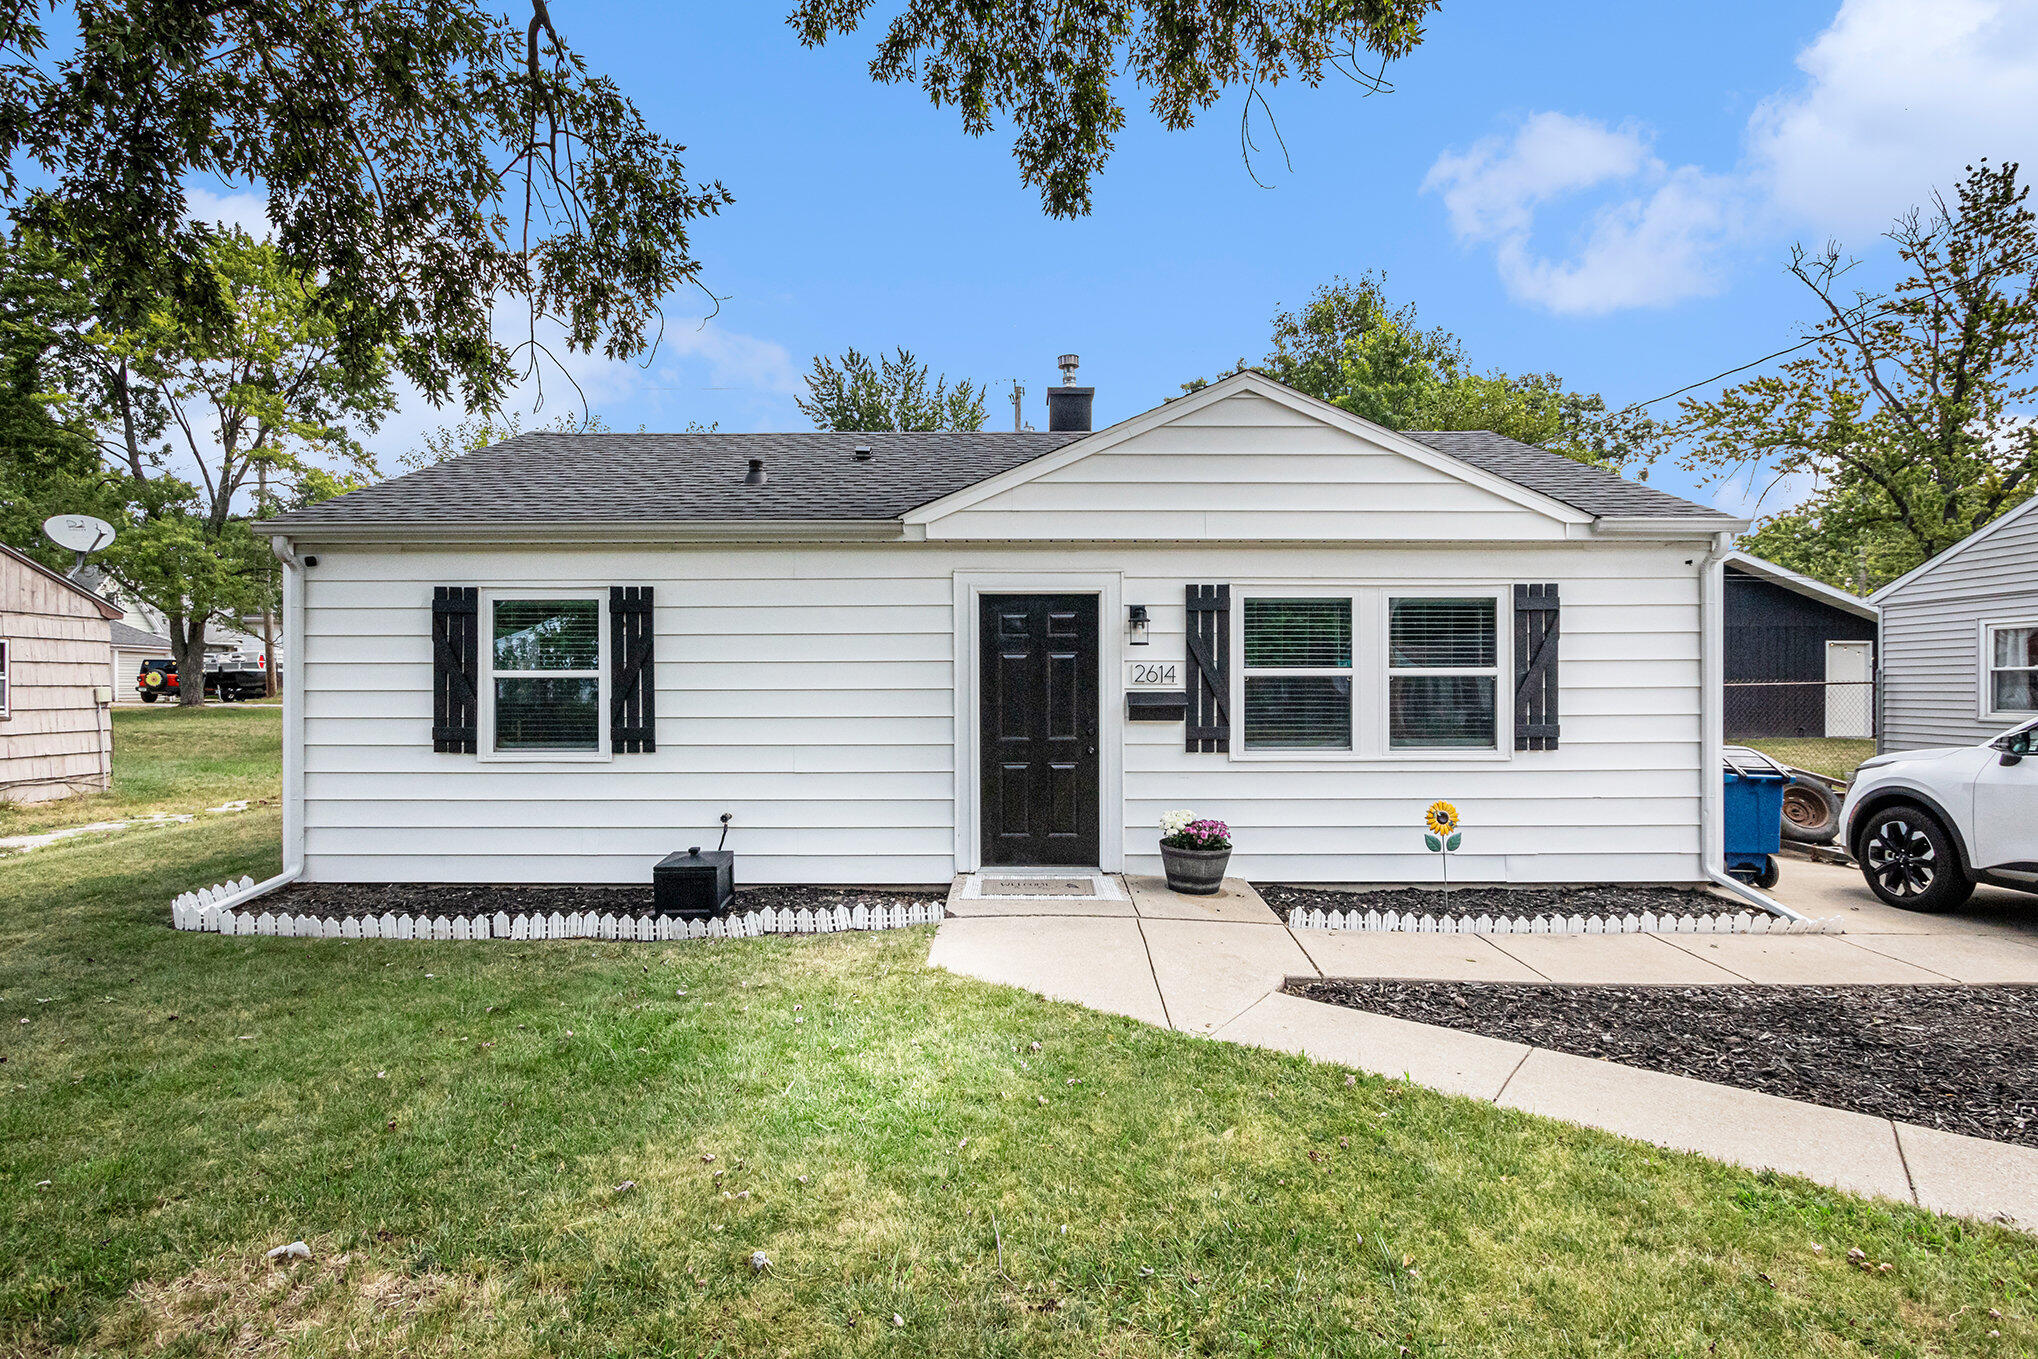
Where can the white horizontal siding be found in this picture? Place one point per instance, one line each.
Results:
(810, 692)
(1248, 469)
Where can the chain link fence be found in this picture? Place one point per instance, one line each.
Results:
(1827, 726)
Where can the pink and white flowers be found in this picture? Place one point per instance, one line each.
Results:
(1186, 830)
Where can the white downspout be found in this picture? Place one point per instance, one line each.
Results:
(293, 729)
(1712, 731)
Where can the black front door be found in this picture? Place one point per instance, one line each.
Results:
(1038, 728)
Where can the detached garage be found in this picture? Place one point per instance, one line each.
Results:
(1800, 655)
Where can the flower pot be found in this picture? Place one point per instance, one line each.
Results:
(1199, 872)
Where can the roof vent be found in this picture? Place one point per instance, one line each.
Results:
(863, 452)
(1068, 406)
(755, 476)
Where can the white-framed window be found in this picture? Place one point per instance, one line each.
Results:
(1443, 672)
(1298, 673)
(6, 679)
(2009, 668)
(1372, 672)
(545, 664)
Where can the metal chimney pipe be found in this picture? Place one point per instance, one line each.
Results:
(755, 476)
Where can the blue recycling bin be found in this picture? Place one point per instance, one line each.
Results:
(1754, 814)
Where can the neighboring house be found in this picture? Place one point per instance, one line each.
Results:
(896, 656)
(56, 676)
(1800, 655)
(1960, 638)
(132, 646)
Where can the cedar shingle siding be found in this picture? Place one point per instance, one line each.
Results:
(56, 740)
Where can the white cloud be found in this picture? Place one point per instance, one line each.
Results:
(1898, 96)
(733, 359)
(1493, 189)
(1652, 247)
(248, 211)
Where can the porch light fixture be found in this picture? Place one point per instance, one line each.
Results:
(1135, 624)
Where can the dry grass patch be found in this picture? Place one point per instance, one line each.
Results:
(255, 1307)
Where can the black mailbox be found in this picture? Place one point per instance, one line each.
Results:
(695, 885)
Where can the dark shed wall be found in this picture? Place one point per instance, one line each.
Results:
(1775, 634)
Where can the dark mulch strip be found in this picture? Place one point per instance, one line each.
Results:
(1600, 901)
(338, 900)
(1960, 1058)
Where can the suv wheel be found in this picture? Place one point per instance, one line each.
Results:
(1908, 858)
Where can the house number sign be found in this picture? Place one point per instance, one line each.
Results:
(1153, 674)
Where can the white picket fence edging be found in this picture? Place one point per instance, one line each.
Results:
(213, 910)
(1647, 922)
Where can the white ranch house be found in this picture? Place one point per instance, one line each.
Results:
(894, 657)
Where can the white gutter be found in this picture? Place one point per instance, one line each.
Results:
(1668, 526)
(1712, 589)
(293, 730)
(1750, 894)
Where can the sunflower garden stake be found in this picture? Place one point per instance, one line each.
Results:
(1443, 837)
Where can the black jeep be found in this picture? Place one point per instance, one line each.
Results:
(158, 679)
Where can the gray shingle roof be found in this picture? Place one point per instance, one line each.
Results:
(816, 477)
(614, 478)
(1580, 485)
(130, 638)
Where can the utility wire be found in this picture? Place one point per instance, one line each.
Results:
(1756, 363)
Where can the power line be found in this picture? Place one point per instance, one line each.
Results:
(1756, 363)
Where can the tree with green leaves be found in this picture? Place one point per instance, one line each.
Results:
(853, 393)
(1351, 346)
(435, 162)
(198, 427)
(1054, 74)
(1910, 411)
(45, 469)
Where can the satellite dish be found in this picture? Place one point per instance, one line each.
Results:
(78, 532)
(81, 533)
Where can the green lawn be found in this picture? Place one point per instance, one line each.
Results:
(448, 1125)
(172, 759)
(1834, 756)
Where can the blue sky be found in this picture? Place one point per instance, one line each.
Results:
(1608, 191)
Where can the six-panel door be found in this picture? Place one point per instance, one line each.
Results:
(1038, 729)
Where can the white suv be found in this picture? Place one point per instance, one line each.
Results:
(1927, 825)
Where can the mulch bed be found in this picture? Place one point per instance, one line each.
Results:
(338, 900)
(1959, 1058)
(1602, 902)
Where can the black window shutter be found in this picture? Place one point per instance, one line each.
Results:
(633, 717)
(1535, 667)
(456, 668)
(1208, 628)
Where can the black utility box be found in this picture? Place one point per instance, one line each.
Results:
(695, 885)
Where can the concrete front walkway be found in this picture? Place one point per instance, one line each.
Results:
(1215, 965)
